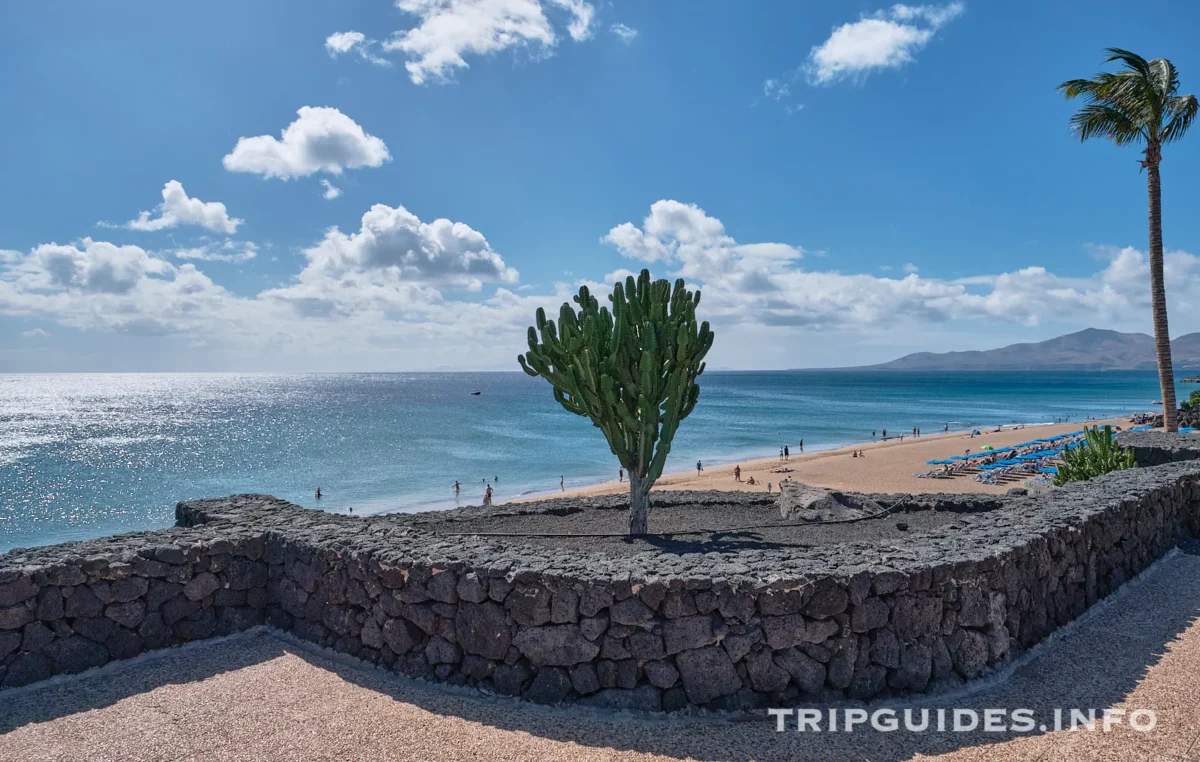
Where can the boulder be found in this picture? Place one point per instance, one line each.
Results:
(482, 629)
(551, 686)
(707, 674)
(556, 645)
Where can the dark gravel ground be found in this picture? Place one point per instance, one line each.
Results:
(723, 517)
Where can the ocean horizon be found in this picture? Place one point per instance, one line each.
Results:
(85, 455)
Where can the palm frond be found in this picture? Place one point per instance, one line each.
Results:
(1166, 77)
(1131, 60)
(1181, 111)
(1103, 121)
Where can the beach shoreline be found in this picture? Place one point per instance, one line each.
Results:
(892, 464)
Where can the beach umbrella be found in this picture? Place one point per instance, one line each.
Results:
(987, 448)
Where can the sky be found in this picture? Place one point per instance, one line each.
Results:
(323, 185)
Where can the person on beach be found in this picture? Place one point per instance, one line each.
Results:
(699, 468)
(737, 473)
(561, 484)
(885, 434)
(801, 445)
(946, 427)
(768, 488)
(787, 455)
(457, 488)
(854, 454)
(487, 496)
(872, 435)
(318, 493)
(751, 481)
(780, 453)
(621, 474)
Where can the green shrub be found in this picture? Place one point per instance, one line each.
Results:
(1101, 455)
(1193, 403)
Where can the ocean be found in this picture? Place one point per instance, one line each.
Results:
(86, 455)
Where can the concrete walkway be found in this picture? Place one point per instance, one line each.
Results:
(259, 697)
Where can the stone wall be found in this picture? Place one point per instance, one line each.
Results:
(737, 627)
(1154, 448)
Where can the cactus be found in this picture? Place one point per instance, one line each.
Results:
(632, 371)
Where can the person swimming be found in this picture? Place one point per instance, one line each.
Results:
(318, 493)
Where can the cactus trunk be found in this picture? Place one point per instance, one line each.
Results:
(639, 503)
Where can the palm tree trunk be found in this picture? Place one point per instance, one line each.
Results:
(639, 502)
(1158, 300)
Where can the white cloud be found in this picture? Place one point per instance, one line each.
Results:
(178, 209)
(97, 267)
(343, 42)
(34, 333)
(391, 296)
(762, 284)
(887, 39)
(776, 90)
(909, 267)
(321, 139)
(448, 31)
(394, 261)
(582, 13)
(230, 251)
(340, 43)
(780, 92)
(625, 34)
(331, 191)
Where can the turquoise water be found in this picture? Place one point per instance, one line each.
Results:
(86, 455)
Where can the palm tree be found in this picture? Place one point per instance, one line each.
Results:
(1139, 105)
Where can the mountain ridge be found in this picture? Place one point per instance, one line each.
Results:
(1089, 349)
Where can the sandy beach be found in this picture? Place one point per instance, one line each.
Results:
(886, 466)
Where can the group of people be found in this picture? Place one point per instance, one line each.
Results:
(487, 492)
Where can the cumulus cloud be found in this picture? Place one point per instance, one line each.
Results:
(92, 267)
(763, 284)
(394, 261)
(448, 31)
(230, 251)
(321, 139)
(35, 333)
(625, 34)
(343, 42)
(331, 191)
(340, 43)
(393, 294)
(396, 240)
(177, 208)
(887, 39)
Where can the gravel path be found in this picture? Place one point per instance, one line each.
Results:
(259, 697)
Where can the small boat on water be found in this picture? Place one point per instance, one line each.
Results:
(476, 393)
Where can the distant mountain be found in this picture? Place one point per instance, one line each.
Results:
(1090, 349)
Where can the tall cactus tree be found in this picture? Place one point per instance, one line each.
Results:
(631, 370)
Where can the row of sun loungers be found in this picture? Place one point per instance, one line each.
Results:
(999, 465)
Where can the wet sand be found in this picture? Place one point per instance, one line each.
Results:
(887, 467)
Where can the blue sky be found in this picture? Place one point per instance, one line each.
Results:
(847, 181)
